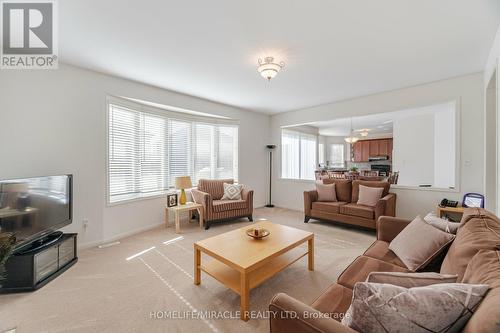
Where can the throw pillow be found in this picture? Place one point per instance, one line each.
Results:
(232, 191)
(441, 224)
(369, 196)
(485, 268)
(418, 243)
(326, 192)
(410, 280)
(444, 307)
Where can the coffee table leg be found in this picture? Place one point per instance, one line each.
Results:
(310, 254)
(197, 263)
(244, 296)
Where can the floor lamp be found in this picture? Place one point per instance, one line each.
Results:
(271, 148)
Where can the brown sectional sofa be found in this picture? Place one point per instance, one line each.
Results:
(478, 230)
(346, 210)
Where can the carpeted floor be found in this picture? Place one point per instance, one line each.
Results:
(104, 292)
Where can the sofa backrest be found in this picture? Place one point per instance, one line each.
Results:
(478, 230)
(343, 188)
(214, 187)
(370, 183)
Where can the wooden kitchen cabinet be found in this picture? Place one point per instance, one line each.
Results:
(383, 147)
(357, 151)
(374, 147)
(364, 149)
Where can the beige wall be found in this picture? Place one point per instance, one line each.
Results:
(466, 90)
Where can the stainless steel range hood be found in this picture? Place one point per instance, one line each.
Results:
(378, 158)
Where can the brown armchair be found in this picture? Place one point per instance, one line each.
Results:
(209, 193)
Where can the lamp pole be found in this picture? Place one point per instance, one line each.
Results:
(270, 147)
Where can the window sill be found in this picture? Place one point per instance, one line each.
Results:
(431, 189)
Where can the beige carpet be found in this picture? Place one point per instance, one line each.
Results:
(104, 292)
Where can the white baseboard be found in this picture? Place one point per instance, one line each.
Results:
(83, 246)
(120, 236)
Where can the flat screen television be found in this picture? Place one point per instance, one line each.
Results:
(32, 208)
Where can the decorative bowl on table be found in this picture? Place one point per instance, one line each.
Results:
(258, 233)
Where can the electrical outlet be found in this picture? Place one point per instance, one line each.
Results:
(85, 223)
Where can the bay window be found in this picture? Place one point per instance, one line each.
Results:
(147, 150)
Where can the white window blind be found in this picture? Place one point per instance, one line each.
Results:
(147, 151)
(321, 153)
(298, 155)
(337, 159)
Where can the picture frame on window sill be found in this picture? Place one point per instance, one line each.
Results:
(172, 200)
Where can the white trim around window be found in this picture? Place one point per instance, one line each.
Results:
(148, 147)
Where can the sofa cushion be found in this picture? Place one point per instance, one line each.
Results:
(443, 307)
(362, 267)
(410, 280)
(232, 191)
(334, 301)
(485, 268)
(225, 205)
(380, 250)
(214, 187)
(330, 207)
(369, 196)
(441, 224)
(419, 243)
(355, 187)
(478, 230)
(353, 209)
(326, 192)
(343, 188)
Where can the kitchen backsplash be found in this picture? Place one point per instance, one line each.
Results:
(366, 165)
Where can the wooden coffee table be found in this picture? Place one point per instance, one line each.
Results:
(242, 263)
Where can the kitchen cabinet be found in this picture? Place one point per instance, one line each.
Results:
(357, 151)
(383, 147)
(365, 150)
(362, 150)
(374, 146)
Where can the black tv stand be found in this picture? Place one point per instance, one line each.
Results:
(40, 262)
(40, 243)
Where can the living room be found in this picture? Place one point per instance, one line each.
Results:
(146, 126)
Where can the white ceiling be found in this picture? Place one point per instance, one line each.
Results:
(333, 49)
(378, 125)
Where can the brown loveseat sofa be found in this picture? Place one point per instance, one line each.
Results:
(346, 209)
(210, 192)
(479, 230)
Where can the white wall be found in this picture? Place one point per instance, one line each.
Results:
(445, 148)
(413, 149)
(53, 122)
(492, 133)
(468, 90)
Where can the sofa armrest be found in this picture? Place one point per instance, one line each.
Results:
(247, 195)
(202, 198)
(309, 198)
(290, 315)
(390, 204)
(388, 227)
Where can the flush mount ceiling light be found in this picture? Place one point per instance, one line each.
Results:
(351, 139)
(363, 131)
(268, 68)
